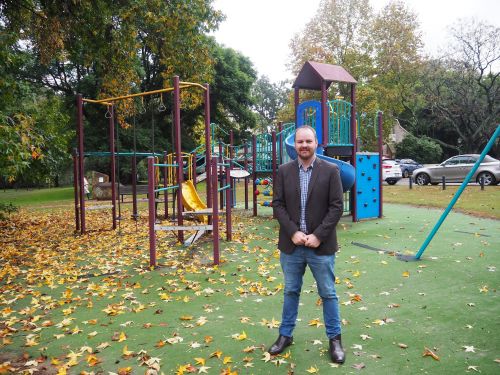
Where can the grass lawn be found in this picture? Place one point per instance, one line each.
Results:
(83, 304)
(473, 200)
(38, 197)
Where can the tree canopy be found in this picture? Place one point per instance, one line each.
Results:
(106, 48)
(52, 50)
(453, 98)
(463, 89)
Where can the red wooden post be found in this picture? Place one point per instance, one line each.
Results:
(280, 131)
(215, 213)
(193, 168)
(221, 183)
(231, 157)
(254, 162)
(165, 183)
(274, 159)
(380, 157)
(75, 186)
(324, 114)
(228, 206)
(151, 211)
(208, 146)
(245, 151)
(275, 167)
(354, 142)
(296, 105)
(178, 156)
(79, 122)
(134, 187)
(113, 161)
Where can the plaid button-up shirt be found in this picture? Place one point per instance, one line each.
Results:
(305, 177)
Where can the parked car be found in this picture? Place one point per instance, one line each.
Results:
(408, 166)
(391, 171)
(456, 168)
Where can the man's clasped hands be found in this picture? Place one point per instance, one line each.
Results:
(301, 239)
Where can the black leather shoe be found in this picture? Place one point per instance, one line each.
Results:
(280, 344)
(336, 351)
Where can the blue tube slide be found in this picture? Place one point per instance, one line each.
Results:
(347, 171)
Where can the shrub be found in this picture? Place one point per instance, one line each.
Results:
(6, 209)
(424, 149)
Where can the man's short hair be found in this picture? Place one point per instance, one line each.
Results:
(307, 127)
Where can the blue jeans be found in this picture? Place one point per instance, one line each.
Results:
(294, 266)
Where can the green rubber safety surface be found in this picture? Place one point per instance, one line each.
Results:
(91, 304)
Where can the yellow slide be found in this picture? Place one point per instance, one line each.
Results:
(191, 200)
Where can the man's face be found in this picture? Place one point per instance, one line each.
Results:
(305, 144)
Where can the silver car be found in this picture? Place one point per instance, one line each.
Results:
(456, 168)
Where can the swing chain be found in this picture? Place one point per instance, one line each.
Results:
(142, 108)
(161, 107)
(108, 112)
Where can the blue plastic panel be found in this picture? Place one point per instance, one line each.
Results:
(309, 113)
(367, 185)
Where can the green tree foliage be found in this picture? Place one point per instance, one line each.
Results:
(337, 34)
(396, 44)
(380, 50)
(269, 99)
(454, 99)
(231, 98)
(423, 149)
(34, 133)
(107, 48)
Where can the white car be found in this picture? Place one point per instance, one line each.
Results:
(391, 171)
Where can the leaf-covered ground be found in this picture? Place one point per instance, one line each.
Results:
(90, 304)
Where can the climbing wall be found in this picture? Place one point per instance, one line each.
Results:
(367, 185)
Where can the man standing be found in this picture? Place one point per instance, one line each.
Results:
(307, 201)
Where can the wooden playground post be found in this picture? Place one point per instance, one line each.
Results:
(380, 157)
(231, 157)
(165, 184)
(215, 210)
(151, 211)
(296, 98)
(324, 114)
(274, 159)
(113, 162)
(229, 205)
(245, 163)
(134, 186)
(178, 156)
(273, 134)
(354, 150)
(208, 146)
(221, 183)
(254, 161)
(75, 186)
(193, 168)
(79, 122)
(280, 131)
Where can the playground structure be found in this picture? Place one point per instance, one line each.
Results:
(173, 168)
(257, 160)
(266, 185)
(338, 128)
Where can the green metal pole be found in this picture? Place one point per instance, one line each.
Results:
(458, 193)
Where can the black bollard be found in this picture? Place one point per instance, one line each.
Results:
(410, 180)
(481, 182)
(443, 178)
